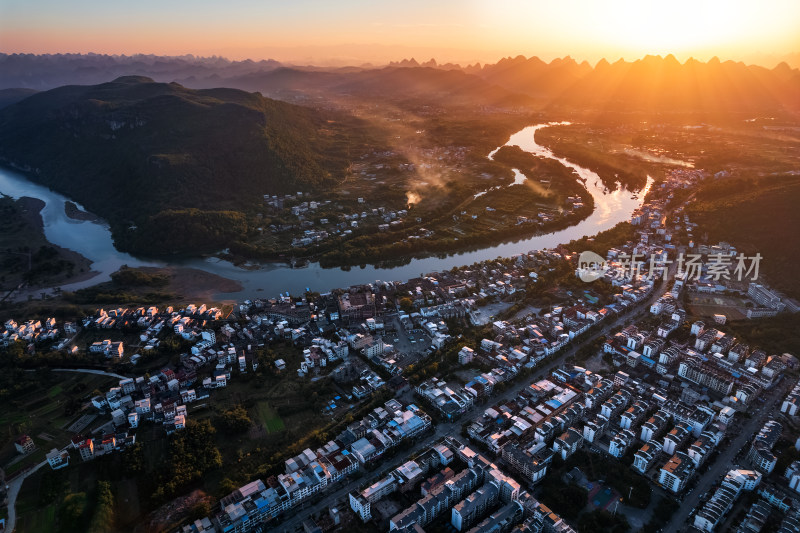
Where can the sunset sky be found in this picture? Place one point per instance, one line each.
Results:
(358, 30)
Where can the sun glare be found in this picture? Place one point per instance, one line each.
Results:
(633, 28)
(684, 27)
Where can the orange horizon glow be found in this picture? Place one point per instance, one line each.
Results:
(357, 31)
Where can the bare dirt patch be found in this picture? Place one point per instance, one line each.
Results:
(170, 515)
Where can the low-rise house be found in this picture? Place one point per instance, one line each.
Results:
(57, 459)
(24, 444)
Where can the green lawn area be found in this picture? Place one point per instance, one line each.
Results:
(128, 509)
(266, 416)
(43, 409)
(154, 446)
(43, 494)
(31, 515)
(7, 418)
(39, 521)
(30, 460)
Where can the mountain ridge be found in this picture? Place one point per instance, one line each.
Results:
(132, 148)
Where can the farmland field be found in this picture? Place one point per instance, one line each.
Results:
(46, 408)
(708, 305)
(267, 417)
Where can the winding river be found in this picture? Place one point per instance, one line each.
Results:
(93, 239)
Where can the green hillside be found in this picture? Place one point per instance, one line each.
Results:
(138, 153)
(757, 215)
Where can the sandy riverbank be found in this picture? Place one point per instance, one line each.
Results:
(191, 284)
(31, 214)
(72, 211)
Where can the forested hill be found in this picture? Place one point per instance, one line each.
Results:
(758, 215)
(133, 150)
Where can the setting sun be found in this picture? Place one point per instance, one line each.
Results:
(631, 28)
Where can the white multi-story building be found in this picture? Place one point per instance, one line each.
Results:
(674, 475)
(676, 438)
(621, 442)
(760, 454)
(466, 355)
(568, 442)
(791, 403)
(654, 425)
(646, 456)
(715, 509)
(793, 475)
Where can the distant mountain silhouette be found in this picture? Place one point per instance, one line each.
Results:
(42, 72)
(432, 63)
(444, 87)
(651, 84)
(535, 77)
(409, 63)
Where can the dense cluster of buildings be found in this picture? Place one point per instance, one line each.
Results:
(161, 398)
(91, 447)
(664, 408)
(478, 497)
(577, 408)
(714, 361)
(724, 496)
(37, 331)
(449, 402)
(362, 443)
(316, 221)
(189, 322)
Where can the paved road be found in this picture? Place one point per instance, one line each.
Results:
(89, 371)
(13, 488)
(454, 428)
(726, 459)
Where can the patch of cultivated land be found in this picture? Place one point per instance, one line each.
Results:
(154, 285)
(267, 417)
(48, 407)
(709, 305)
(194, 284)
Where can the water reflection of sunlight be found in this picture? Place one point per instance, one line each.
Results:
(94, 240)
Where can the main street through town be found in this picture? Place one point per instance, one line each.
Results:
(453, 429)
